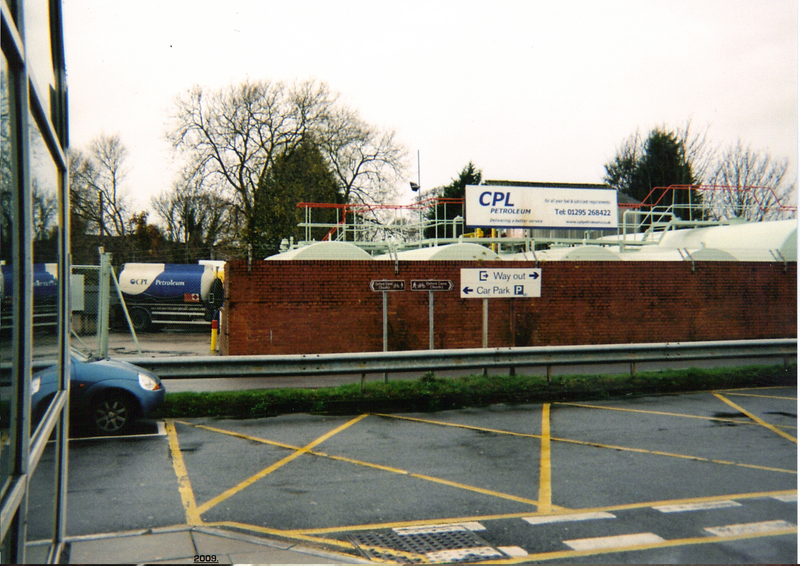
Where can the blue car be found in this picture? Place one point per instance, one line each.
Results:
(107, 395)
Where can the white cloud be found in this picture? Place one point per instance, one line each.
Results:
(534, 90)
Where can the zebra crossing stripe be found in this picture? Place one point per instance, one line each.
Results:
(546, 519)
(620, 541)
(749, 528)
(703, 506)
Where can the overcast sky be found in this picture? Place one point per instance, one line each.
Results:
(528, 90)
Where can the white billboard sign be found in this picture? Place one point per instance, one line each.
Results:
(489, 206)
(502, 283)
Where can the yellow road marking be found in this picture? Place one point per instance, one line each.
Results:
(598, 445)
(763, 396)
(184, 486)
(279, 464)
(672, 455)
(562, 554)
(456, 425)
(750, 388)
(203, 508)
(242, 436)
(755, 418)
(738, 421)
(545, 490)
(295, 535)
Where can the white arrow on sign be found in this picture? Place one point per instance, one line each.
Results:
(501, 283)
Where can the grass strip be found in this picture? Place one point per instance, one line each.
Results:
(431, 393)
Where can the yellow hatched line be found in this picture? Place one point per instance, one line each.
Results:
(755, 418)
(203, 508)
(242, 436)
(673, 455)
(184, 485)
(456, 425)
(737, 421)
(566, 554)
(763, 396)
(279, 464)
(750, 388)
(600, 445)
(545, 488)
(434, 479)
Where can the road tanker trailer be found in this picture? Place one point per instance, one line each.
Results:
(159, 294)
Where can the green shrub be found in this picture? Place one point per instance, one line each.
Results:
(432, 393)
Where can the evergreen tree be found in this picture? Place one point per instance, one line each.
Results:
(444, 213)
(298, 175)
(658, 162)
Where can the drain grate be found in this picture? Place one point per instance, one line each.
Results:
(439, 544)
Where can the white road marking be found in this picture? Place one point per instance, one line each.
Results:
(433, 529)
(462, 554)
(613, 542)
(749, 528)
(791, 498)
(546, 519)
(697, 506)
(513, 551)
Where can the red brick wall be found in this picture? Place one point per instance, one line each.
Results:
(299, 307)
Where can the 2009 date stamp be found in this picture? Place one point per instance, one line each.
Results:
(205, 559)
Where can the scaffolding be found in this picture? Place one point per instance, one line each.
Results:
(381, 228)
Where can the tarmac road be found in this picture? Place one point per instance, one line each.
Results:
(698, 477)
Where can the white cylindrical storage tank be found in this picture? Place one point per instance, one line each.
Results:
(577, 253)
(462, 251)
(324, 250)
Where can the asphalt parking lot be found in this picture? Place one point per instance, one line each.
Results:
(697, 477)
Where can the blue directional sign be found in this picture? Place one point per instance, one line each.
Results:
(501, 283)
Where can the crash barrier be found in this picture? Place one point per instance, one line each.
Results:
(488, 359)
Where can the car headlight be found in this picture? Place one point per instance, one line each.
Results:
(148, 383)
(36, 383)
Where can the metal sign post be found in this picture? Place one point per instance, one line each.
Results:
(383, 286)
(431, 285)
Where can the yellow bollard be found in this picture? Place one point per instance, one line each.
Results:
(214, 330)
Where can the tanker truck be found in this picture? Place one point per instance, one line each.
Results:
(45, 295)
(158, 294)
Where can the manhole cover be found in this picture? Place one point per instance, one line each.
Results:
(425, 545)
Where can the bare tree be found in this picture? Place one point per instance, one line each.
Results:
(749, 184)
(366, 161)
(193, 214)
(45, 211)
(236, 134)
(96, 186)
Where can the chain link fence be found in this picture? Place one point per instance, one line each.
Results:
(104, 323)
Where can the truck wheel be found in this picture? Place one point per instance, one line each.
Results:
(140, 318)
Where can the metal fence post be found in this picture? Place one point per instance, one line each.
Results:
(104, 299)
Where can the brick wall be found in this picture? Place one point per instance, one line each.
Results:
(294, 307)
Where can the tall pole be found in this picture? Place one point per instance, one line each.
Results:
(419, 197)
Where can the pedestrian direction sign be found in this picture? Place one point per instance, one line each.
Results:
(502, 283)
(431, 285)
(387, 285)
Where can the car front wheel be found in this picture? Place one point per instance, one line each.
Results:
(112, 414)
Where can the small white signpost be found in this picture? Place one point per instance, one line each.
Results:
(502, 283)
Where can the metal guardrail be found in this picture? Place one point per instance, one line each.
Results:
(491, 358)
